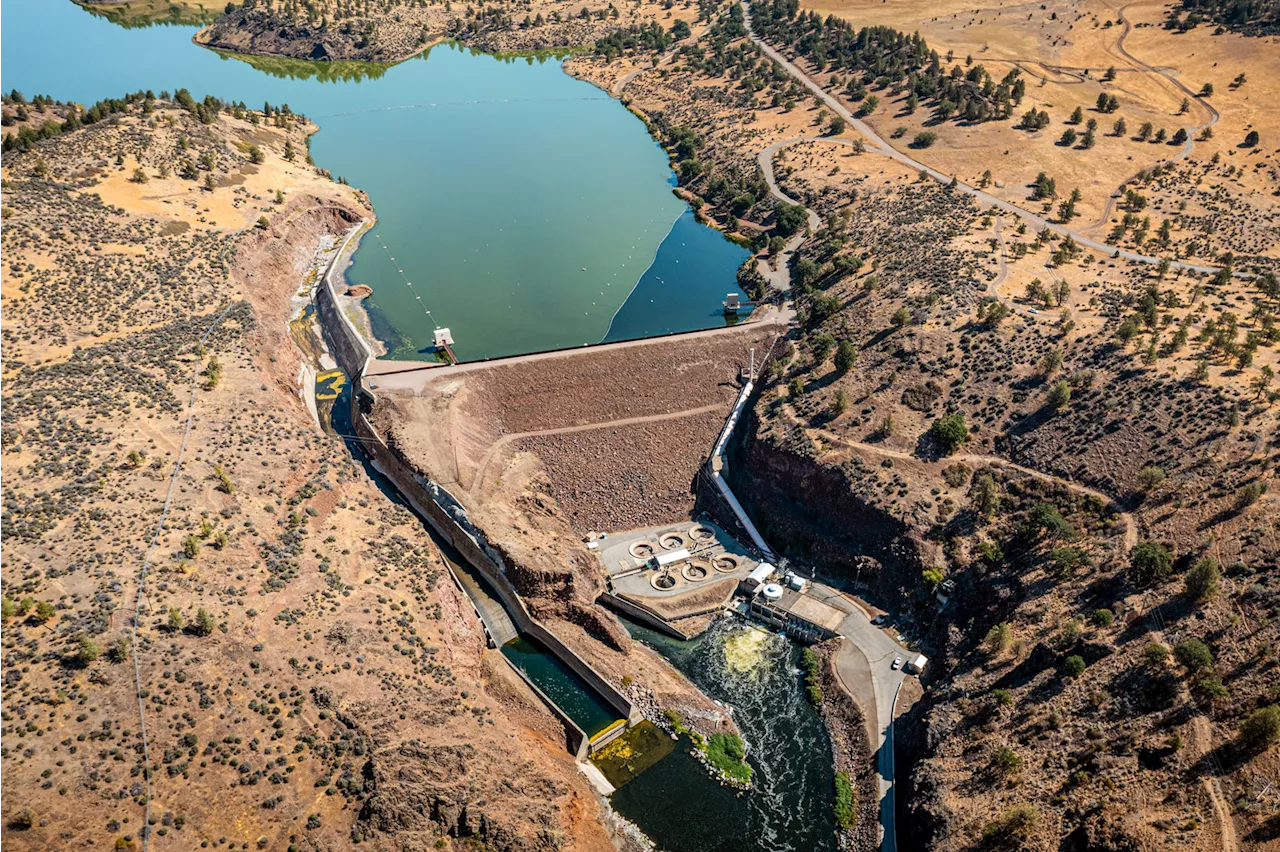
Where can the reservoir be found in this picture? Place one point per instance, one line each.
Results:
(525, 207)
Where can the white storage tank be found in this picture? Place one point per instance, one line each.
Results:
(771, 592)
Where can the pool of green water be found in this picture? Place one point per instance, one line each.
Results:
(578, 700)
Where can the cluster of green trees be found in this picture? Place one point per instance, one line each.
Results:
(1252, 17)
(812, 677)
(206, 111)
(20, 113)
(949, 432)
(27, 137)
(1108, 103)
(1034, 119)
(203, 625)
(885, 58)
(648, 36)
(38, 611)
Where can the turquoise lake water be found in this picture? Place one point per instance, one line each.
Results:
(525, 207)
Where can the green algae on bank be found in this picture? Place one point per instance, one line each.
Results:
(336, 71)
(633, 753)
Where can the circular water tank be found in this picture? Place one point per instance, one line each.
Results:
(771, 591)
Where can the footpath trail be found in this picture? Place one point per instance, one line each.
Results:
(879, 146)
(1130, 524)
(1203, 743)
(994, 288)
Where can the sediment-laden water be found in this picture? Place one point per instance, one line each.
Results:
(522, 205)
(788, 808)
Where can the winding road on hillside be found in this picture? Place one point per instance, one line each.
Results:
(879, 146)
(1130, 525)
(1187, 146)
(778, 274)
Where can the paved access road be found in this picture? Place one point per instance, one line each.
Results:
(864, 665)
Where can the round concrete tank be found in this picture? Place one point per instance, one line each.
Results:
(701, 534)
(726, 563)
(641, 550)
(671, 541)
(772, 592)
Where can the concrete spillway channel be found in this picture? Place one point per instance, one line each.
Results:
(497, 623)
(554, 681)
(591, 709)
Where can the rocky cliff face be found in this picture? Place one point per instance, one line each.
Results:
(420, 791)
(812, 511)
(387, 37)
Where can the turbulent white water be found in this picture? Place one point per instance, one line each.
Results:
(788, 808)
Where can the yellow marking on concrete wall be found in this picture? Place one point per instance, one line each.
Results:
(329, 385)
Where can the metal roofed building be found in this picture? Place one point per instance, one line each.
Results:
(800, 616)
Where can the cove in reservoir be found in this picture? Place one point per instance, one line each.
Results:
(527, 209)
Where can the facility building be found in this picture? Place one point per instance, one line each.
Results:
(672, 557)
(758, 577)
(800, 616)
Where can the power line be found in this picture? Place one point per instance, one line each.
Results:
(145, 831)
(439, 104)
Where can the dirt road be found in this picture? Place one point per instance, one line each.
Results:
(1130, 524)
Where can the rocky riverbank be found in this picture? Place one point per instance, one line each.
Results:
(327, 31)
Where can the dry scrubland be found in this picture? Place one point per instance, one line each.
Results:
(392, 30)
(1221, 196)
(310, 676)
(1080, 445)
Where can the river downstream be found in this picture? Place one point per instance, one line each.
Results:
(788, 808)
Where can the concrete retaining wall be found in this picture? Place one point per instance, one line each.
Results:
(642, 614)
(449, 518)
(347, 345)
